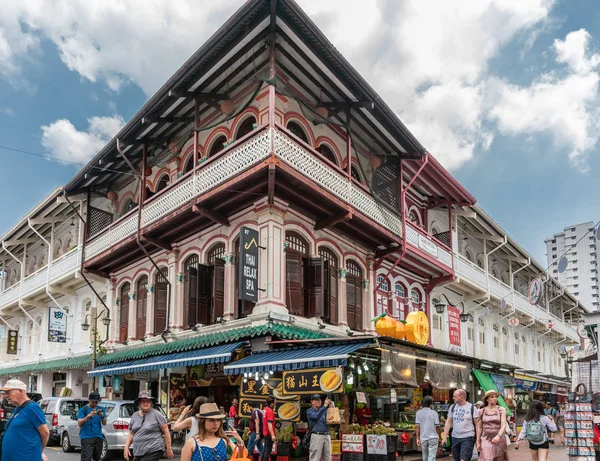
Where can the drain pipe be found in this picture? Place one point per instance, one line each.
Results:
(138, 235)
(21, 285)
(48, 269)
(81, 272)
(514, 304)
(403, 216)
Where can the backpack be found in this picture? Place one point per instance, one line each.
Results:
(536, 432)
(450, 411)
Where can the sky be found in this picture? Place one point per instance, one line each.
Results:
(505, 93)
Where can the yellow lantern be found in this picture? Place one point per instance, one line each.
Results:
(389, 327)
(417, 328)
(400, 330)
(381, 325)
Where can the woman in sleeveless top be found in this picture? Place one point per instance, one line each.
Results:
(492, 428)
(212, 443)
(187, 419)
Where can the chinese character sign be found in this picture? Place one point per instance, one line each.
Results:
(313, 381)
(285, 410)
(57, 326)
(13, 342)
(454, 325)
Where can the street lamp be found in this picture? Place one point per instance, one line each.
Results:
(85, 326)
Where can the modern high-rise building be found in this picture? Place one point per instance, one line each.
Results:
(579, 244)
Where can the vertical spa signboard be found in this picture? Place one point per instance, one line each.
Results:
(248, 265)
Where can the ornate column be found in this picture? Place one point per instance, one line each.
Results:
(150, 294)
(175, 294)
(342, 303)
(229, 301)
(369, 298)
(271, 276)
(112, 301)
(132, 314)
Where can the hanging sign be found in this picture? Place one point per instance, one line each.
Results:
(544, 387)
(313, 381)
(393, 396)
(248, 265)
(376, 444)
(498, 381)
(284, 410)
(454, 325)
(536, 291)
(57, 326)
(361, 397)
(550, 325)
(513, 322)
(353, 443)
(581, 330)
(427, 245)
(13, 342)
(525, 384)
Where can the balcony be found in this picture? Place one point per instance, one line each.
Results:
(476, 276)
(243, 158)
(34, 284)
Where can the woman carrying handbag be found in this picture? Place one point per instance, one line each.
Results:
(213, 443)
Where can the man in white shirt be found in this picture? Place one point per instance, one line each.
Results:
(462, 419)
(428, 430)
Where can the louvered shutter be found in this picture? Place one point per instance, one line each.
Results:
(294, 276)
(315, 286)
(218, 290)
(124, 317)
(140, 323)
(351, 301)
(190, 308)
(160, 305)
(204, 294)
(358, 303)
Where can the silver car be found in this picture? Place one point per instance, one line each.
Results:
(58, 411)
(118, 415)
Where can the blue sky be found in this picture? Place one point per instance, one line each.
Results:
(506, 96)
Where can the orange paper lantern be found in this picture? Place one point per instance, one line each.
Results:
(112, 196)
(374, 161)
(322, 112)
(148, 171)
(227, 106)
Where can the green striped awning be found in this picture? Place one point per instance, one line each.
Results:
(72, 363)
(487, 384)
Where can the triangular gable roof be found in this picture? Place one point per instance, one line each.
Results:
(302, 49)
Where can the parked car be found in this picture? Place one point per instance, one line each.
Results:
(58, 411)
(6, 409)
(118, 415)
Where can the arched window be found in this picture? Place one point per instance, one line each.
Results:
(504, 331)
(295, 261)
(384, 301)
(434, 231)
(42, 261)
(296, 129)
(415, 296)
(494, 273)
(481, 322)
(384, 283)
(331, 285)
(189, 165)
(124, 311)
(504, 278)
(217, 251)
(190, 278)
(355, 174)
(161, 293)
(469, 256)
(31, 266)
(354, 296)
(57, 249)
(141, 307)
(163, 182)
(217, 146)
(326, 152)
(400, 291)
(245, 127)
(480, 263)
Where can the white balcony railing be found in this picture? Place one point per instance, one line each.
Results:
(61, 267)
(498, 290)
(242, 158)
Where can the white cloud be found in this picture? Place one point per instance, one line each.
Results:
(6, 111)
(429, 59)
(64, 142)
(565, 106)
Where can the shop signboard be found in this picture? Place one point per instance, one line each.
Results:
(499, 382)
(361, 397)
(393, 396)
(313, 381)
(526, 384)
(57, 326)
(353, 443)
(544, 387)
(261, 388)
(562, 390)
(454, 325)
(177, 393)
(285, 410)
(13, 342)
(248, 267)
(376, 444)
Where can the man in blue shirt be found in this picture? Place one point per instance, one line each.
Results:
(26, 432)
(320, 441)
(90, 419)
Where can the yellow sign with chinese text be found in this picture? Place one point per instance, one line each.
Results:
(313, 381)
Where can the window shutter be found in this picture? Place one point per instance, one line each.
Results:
(160, 305)
(204, 294)
(315, 271)
(331, 297)
(294, 276)
(140, 324)
(354, 302)
(218, 289)
(190, 308)
(124, 318)
(359, 304)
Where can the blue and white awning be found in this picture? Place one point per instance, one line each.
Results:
(216, 354)
(296, 359)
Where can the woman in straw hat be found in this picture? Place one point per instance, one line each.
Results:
(213, 442)
(492, 429)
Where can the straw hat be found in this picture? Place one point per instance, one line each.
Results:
(210, 410)
(144, 395)
(489, 394)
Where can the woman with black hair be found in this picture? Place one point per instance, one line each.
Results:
(535, 429)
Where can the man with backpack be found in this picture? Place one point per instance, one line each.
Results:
(549, 411)
(255, 437)
(90, 419)
(462, 418)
